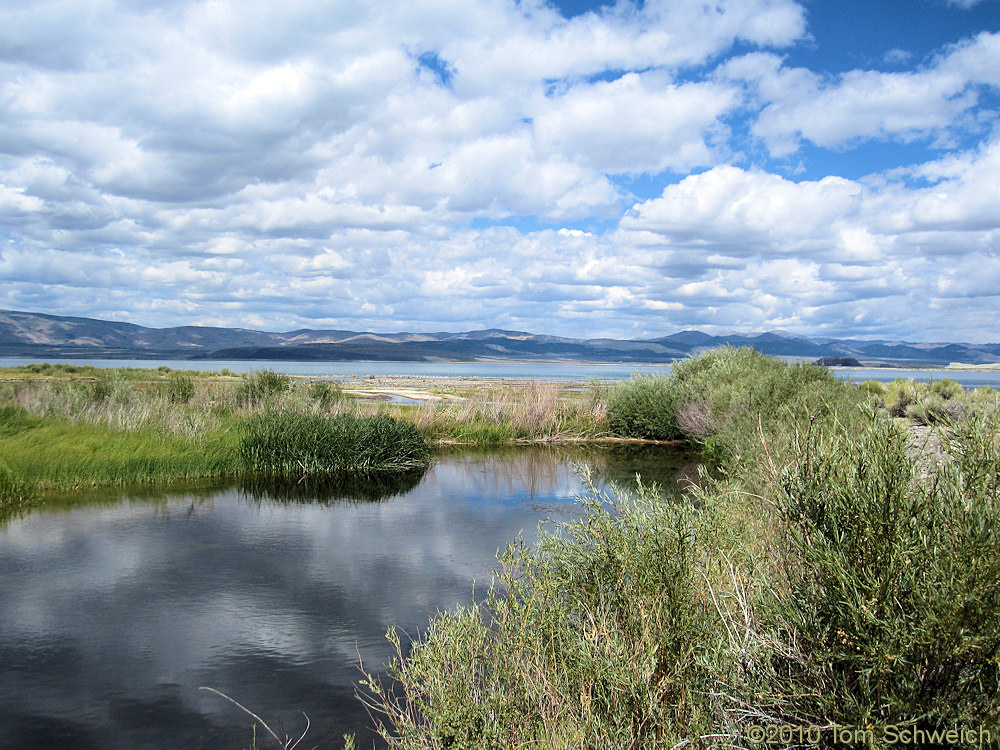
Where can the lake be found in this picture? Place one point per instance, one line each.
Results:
(117, 608)
(572, 372)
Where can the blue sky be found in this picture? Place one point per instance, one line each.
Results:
(627, 170)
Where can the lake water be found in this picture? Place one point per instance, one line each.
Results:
(512, 370)
(115, 610)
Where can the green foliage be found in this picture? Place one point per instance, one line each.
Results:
(181, 388)
(899, 394)
(596, 638)
(15, 494)
(326, 394)
(873, 387)
(103, 388)
(259, 386)
(291, 444)
(48, 454)
(891, 608)
(946, 388)
(728, 398)
(644, 407)
(827, 577)
(937, 402)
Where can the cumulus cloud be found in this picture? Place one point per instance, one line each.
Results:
(836, 111)
(441, 164)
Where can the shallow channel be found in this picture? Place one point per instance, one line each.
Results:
(115, 610)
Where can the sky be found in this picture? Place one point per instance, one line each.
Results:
(822, 167)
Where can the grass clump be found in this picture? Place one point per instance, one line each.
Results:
(293, 444)
(15, 494)
(181, 388)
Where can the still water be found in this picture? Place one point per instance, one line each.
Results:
(547, 372)
(114, 611)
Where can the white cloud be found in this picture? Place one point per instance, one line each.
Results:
(321, 160)
(837, 111)
(638, 124)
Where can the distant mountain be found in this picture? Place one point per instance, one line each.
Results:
(39, 335)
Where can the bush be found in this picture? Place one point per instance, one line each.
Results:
(597, 638)
(873, 387)
(326, 394)
(890, 610)
(946, 388)
(290, 444)
(728, 397)
(259, 386)
(899, 394)
(644, 407)
(180, 390)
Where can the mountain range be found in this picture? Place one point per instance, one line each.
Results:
(40, 335)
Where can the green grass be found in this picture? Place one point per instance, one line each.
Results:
(289, 444)
(47, 454)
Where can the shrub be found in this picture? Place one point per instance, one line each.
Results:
(596, 638)
(946, 388)
(899, 394)
(291, 444)
(644, 407)
(102, 389)
(873, 387)
(326, 394)
(180, 389)
(258, 386)
(727, 397)
(890, 610)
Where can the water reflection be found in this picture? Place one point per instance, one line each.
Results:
(329, 488)
(113, 614)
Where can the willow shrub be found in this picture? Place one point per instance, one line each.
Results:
(254, 388)
(295, 444)
(890, 611)
(644, 407)
(598, 637)
(724, 399)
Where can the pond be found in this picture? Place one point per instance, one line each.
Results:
(116, 610)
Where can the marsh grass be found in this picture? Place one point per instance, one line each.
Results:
(114, 427)
(495, 416)
(289, 444)
(47, 454)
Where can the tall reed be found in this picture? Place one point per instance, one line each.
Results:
(290, 444)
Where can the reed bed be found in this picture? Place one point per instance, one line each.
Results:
(288, 444)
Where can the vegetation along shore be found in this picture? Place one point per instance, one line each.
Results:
(833, 583)
(838, 565)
